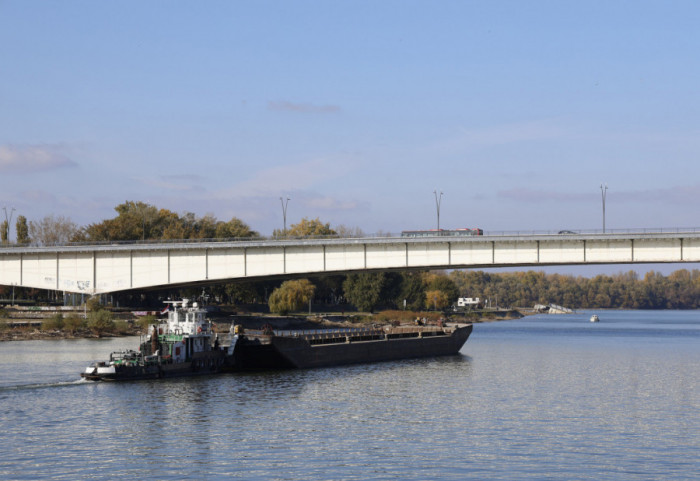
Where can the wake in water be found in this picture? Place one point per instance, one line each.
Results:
(18, 387)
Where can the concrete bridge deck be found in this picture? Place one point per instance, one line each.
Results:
(97, 269)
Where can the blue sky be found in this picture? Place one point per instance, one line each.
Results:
(355, 110)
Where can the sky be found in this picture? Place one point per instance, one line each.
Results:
(357, 111)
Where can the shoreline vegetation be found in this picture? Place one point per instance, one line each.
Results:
(24, 329)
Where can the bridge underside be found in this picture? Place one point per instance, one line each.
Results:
(96, 270)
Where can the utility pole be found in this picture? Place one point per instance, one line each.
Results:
(438, 201)
(284, 213)
(603, 193)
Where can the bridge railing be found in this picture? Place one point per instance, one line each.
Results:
(382, 235)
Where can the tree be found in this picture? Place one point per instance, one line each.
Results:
(436, 299)
(291, 296)
(437, 281)
(363, 290)
(52, 230)
(73, 323)
(100, 322)
(22, 230)
(307, 228)
(233, 228)
(349, 232)
(412, 291)
(4, 232)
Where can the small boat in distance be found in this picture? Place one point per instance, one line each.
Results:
(595, 318)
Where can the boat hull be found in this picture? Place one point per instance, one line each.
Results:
(209, 363)
(285, 352)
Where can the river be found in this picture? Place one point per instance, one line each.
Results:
(544, 397)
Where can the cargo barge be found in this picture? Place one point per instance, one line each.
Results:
(334, 347)
(185, 344)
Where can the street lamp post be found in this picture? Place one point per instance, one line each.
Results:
(603, 193)
(284, 213)
(438, 201)
(8, 221)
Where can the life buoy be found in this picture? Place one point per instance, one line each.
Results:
(199, 330)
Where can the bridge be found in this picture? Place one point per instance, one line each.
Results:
(99, 269)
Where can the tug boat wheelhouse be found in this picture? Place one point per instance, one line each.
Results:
(183, 345)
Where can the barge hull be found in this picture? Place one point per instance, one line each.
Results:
(284, 352)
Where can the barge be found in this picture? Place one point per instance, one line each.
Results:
(270, 349)
(185, 344)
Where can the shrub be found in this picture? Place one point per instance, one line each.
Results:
(122, 327)
(100, 322)
(3, 313)
(93, 304)
(53, 322)
(73, 323)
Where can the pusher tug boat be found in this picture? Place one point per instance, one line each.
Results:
(183, 345)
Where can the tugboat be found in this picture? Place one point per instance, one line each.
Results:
(183, 345)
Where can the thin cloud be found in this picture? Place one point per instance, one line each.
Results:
(24, 159)
(285, 106)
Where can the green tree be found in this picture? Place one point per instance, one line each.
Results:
(363, 290)
(22, 230)
(4, 232)
(100, 322)
(291, 296)
(73, 323)
(412, 291)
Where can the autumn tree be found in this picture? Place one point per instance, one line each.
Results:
(52, 230)
(307, 228)
(439, 281)
(436, 299)
(22, 230)
(141, 221)
(291, 296)
(4, 232)
(234, 228)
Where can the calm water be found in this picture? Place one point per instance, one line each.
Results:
(546, 397)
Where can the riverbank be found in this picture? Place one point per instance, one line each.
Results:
(31, 331)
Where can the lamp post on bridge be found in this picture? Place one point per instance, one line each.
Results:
(438, 201)
(603, 193)
(284, 213)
